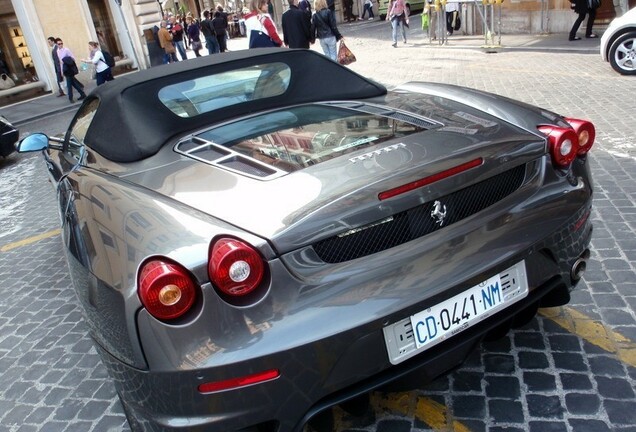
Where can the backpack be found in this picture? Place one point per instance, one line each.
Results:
(70, 67)
(108, 59)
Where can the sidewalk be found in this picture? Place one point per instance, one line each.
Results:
(50, 104)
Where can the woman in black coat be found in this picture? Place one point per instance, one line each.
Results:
(584, 7)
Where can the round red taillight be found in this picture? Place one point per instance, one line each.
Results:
(586, 133)
(235, 267)
(564, 144)
(166, 289)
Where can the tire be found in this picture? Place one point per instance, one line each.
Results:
(622, 54)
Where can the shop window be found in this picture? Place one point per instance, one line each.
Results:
(21, 47)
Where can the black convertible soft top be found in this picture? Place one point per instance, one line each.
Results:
(131, 123)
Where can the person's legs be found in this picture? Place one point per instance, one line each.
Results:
(371, 16)
(333, 48)
(59, 86)
(211, 44)
(576, 25)
(328, 46)
(181, 49)
(100, 77)
(591, 15)
(219, 40)
(208, 45)
(79, 87)
(69, 88)
(394, 26)
(216, 48)
(403, 25)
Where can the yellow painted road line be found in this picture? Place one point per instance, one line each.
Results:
(424, 409)
(593, 332)
(30, 240)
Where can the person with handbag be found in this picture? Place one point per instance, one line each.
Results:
(398, 15)
(103, 72)
(323, 27)
(260, 27)
(582, 8)
(453, 21)
(194, 35)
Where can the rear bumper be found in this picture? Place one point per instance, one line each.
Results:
(317, 375)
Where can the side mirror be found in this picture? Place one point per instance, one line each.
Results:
(33, 142)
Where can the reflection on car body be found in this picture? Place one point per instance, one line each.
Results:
(8, 137)
(252, 248)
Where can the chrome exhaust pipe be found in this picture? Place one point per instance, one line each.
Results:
(578, 268)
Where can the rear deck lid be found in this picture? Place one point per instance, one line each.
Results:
(301, 174)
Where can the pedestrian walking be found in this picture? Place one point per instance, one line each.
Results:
(69, 70)
(194, 35)
(207, 28)
(258, 19)
(348, 10)
(103, 72)
(429, 19)
(56, 64)
(323, 27)
(398, 15)
(296, 26)
(368, 8)
(226, 18)
(452, 17)
(220, 29)
(583, 8)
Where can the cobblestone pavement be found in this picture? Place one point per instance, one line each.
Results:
(571, 369)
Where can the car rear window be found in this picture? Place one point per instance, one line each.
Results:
(295, 138)
(204, 94)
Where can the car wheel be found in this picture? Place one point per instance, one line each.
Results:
(622, 54)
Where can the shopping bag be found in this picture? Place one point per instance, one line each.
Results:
(259, 39)
(345, 56)
(424, 21)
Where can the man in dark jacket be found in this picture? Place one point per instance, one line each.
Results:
(56, 63)
(296, 26)
(209, 34)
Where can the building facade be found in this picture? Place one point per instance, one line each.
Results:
(126, 28)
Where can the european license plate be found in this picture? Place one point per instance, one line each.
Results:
(443, 320)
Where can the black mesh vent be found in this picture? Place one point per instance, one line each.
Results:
(417, 222)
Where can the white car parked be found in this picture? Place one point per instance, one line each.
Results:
(618, 44)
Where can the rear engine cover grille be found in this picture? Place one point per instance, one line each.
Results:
(417, 222)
